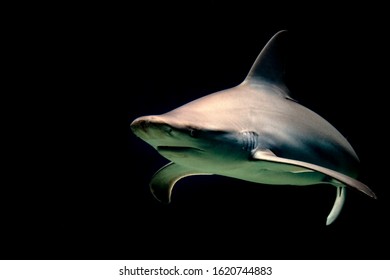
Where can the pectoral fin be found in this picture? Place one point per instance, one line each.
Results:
(267, 155)
(165, 178)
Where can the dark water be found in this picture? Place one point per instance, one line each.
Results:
(78, 188)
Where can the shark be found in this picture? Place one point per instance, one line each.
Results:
(254, 131)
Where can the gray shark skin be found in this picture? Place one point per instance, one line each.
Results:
(255, 132)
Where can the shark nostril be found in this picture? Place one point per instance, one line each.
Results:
(140, 125)
(151, 126)
(144, 125)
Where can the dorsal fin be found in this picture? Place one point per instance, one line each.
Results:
(270, 65)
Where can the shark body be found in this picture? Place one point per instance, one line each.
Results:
(254, 132)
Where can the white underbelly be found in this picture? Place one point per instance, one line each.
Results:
(273, 174)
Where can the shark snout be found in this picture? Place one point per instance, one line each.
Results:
(150, 127)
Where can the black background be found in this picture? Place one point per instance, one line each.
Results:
(76, 179)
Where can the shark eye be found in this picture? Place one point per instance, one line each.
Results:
(194, 133)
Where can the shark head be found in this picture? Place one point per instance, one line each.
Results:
(180, 137)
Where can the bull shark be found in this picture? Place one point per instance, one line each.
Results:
(255, 132)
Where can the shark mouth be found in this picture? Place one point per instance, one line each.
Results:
(177, 149)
